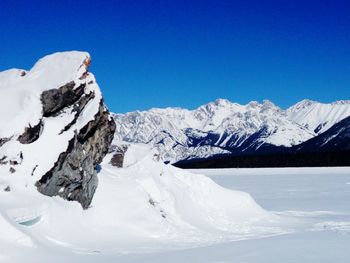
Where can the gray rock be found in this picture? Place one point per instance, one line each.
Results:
(74, 175)
(54, 100)
(117, 160)
(31, 134)
(3, 160)
(119, 151)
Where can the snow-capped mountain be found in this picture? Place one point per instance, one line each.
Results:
(222, 127)
(330, 148)
(319, 117)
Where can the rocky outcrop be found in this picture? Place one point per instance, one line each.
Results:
(31, 134)
(118, 151)
(74, 175)
(68, 131)
(54, 100)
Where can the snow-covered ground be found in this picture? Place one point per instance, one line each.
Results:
(306, 218)
(314, 199)
(145, 207)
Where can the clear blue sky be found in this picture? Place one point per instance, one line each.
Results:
(185, 53)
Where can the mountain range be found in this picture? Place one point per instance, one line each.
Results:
(226, 128)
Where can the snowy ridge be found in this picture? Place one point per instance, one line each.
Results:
(218, 127)
(319, 117)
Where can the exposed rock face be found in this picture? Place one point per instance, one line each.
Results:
(74, 176)
(119, 151)
(31, 134)
(55, 100)
(67, 133)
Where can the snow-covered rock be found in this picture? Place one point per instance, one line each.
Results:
(54, 127)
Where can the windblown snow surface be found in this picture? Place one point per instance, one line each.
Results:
(145, 207)
(152, 212)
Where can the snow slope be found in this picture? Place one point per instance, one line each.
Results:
(319, 117)
(335, 138)
(311, 204)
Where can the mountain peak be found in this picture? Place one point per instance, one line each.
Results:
(266, 104)
(269, 104)
(253, 104)
(222, 102)
(303, 104)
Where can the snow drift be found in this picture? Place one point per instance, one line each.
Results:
(144, 206)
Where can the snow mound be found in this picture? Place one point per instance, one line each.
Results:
(145, 203)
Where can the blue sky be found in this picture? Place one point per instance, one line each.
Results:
(186, 53)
